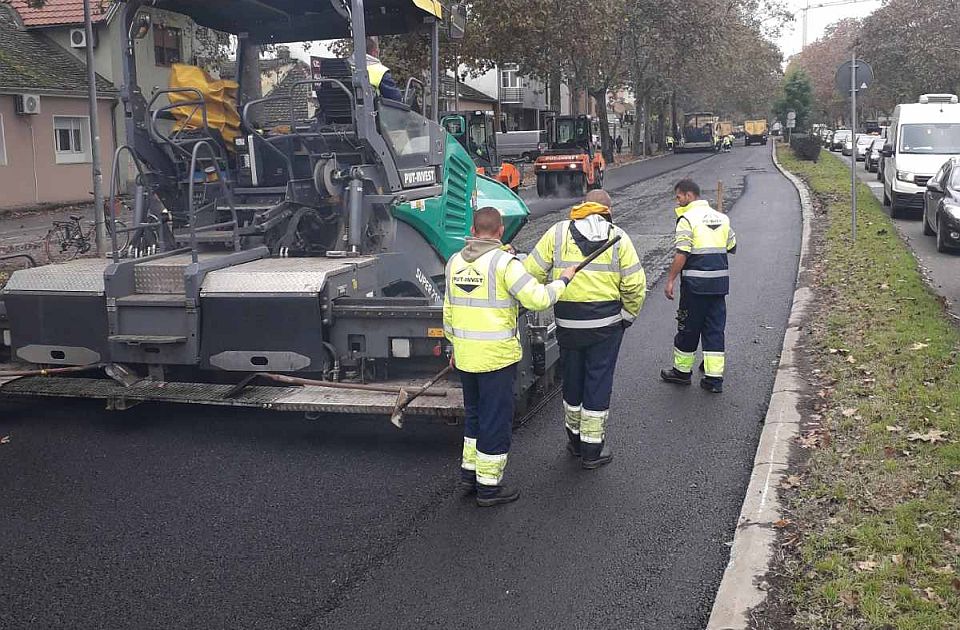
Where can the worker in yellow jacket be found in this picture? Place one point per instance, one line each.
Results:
(600, 303)
(485, 285)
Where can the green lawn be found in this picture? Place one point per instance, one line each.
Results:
(877, 510)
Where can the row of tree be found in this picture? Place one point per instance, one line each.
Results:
(696, 54)
(913, 47)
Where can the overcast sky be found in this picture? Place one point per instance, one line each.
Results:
(792, 39)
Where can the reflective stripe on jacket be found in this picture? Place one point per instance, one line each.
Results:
(609, 290)
(706, 237)
(481, 305)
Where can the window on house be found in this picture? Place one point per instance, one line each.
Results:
(509, 76)
(72, 137)
(166, 45)
(3, 144)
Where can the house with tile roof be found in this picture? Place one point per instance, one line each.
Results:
(45, 151)
(172, 38)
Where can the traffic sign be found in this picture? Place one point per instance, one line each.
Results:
(791, 123)
(864, 76)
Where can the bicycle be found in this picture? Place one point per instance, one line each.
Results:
(67, 239)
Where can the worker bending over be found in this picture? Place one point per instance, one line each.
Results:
(703, 240)
(484, 287)
(600, 303)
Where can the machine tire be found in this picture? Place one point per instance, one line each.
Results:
(577, 184)
(941, 241)
(541, 185)
(746, 143)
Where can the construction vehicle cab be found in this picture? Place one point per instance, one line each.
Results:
(311, 247)
(475, 132)
(571, 164)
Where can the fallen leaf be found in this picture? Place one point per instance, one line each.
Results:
(955, 583)
(897, 558)
(944, 570)
(5, 439)
(848, 412)
(851, 360)
(866, 565)
(894, 428)
(931, 437)
(790, 482)
(919, 346)
(783, 522)
(932, 596)
(889, 452)
(851, 599)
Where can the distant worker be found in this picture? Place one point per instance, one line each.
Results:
(619, 144)
(380, 77)
(485, 285)
(600, 303)
(703, 240)
(670, 143)
(726, 144)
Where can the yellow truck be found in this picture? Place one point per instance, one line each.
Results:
(724, 128)
(755, 132)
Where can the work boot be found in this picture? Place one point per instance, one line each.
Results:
(712, 385)
(573, 443)
(673, 375)
(489, 496)
(468, 480)
(595, 455)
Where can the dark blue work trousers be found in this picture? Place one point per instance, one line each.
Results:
(588, 372)
(488, 405)
(701, 321)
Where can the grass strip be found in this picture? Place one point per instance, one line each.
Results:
(875, 510)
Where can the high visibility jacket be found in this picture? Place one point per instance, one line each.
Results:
(481, 305)
(608, 291)
(375, 72)
(706, 237)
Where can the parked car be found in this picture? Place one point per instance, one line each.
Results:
(874, 154)
(941, 206)
(921, 137)
(840, 136)
(848, 146)
(864, 143)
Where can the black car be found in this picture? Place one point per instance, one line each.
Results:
(874, 155)
(941, 206)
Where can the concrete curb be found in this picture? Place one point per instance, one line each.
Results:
(753, 544)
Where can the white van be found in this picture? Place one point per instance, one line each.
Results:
(921, 137)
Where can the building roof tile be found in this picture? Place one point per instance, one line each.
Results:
(58, 12)
(31, 63)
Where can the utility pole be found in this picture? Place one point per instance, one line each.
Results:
(853, 154)
(98, 214)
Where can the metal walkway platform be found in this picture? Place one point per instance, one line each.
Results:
(300, 399)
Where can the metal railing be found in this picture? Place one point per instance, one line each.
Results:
(511, 94)
(234, 223)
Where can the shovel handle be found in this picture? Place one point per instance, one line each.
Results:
(589, 259)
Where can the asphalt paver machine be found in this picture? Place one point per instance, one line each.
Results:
(298, 268)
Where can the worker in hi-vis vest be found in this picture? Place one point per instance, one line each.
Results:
(485, 286)
(703, 240)
(595, 310)
(380, 77)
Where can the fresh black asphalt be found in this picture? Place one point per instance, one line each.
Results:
(179, 517)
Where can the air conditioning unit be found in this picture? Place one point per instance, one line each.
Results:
(938, 98)
(28, 104)
(78, 38)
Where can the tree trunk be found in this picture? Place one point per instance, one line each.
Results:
(646, 125)
(555, 98)
(600, 98)
(674, 127)
(638, 92)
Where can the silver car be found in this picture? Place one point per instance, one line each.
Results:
(863, 146)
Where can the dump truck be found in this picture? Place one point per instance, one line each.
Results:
(474, 130)
(755, 132)
(571, 164)
(296, 268)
